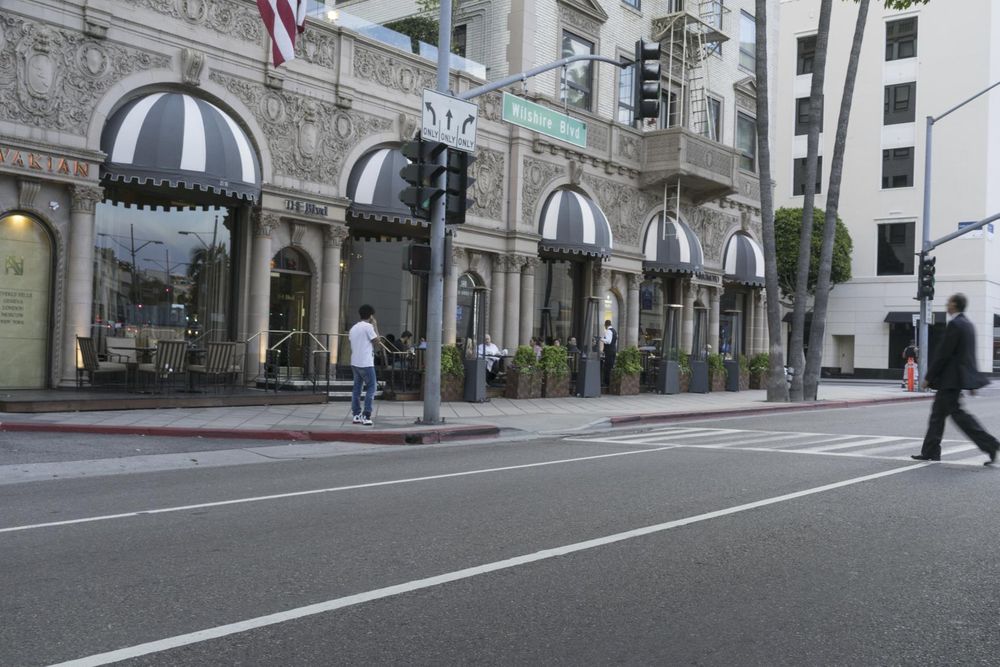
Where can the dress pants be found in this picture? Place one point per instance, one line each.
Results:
(946, 403)
(609, 363)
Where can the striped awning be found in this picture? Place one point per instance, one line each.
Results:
(671, 247)
(572, 223)
(374, 186)
(744, 261)
(176, 140)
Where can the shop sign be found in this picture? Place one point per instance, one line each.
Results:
(305, 207)
(43, 163)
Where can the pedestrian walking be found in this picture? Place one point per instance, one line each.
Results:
(363, 337)
(952, 369)
(610, 350)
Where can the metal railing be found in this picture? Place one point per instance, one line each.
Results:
(272, 363)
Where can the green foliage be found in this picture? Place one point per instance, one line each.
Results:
(451, 361)
(744, 363)
(715, 363)
(628, 362)
(418, 29)
(554, 361)
(760, 363)
(684, 362)
(524, 360)
(903, 4)
(788, 229)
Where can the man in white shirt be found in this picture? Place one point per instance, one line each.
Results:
(363, 337)
(489, 350)
(610, 350)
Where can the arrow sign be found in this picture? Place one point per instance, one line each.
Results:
(470, 119)
(430, 108)
(441, 121)
(448, 116)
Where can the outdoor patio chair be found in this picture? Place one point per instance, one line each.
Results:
(170, 362)
(92, 367)
(220, 364)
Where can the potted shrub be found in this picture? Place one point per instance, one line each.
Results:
(684, 361)
(554, 366)
(716, 372)
(452, 374)
(759, 366)
(625, 374)
(744, 372)
(524, 379)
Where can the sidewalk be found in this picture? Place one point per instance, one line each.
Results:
(395, 423)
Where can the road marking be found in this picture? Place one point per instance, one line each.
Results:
(876, 440)
(311, 492)
(467, 573)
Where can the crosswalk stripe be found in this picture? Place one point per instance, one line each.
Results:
(853, 443)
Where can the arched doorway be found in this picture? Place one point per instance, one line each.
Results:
(25, 302)
(291, 287)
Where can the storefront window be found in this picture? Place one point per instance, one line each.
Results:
(162, 273)
(651, 304)
(555, 296)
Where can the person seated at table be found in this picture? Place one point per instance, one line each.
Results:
(491, 352)
(405, 342)
(423, 344)
(571, 345)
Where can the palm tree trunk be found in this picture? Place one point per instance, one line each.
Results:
(777, 389)
(823, 283)
(795, 354)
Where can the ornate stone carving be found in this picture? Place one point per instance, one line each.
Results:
(597, 136)
(318, 47)
(575, 172)
(27, 190)
(634, 279)
(748, 186)
(490, 106)
(511, 263)
(710, 226)
(335, 235)
(53, 78)
(530, 264)
(391, 73)
(408, 127)
(83, 198)
(458, 256)
(746, 102)
(488, 191)
(706, 156)
(619, 205)
(192, 62)
(239, 20)
(536, 177)
(308, 137)
(580, 21)
(264, 222)
(629, 146)
(298, 231)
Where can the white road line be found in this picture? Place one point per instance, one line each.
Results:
(418, 584)
(295, 494)
(945, 451)
(792, 436)
(670, 437)
(877, 440)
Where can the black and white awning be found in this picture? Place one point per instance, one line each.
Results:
(176, 140)
(671, 247)
(374, 186)
(744, 261)
(572, 223)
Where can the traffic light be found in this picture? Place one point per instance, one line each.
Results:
(422, 176)
(458, 183)
(925, 280)
(647, 80)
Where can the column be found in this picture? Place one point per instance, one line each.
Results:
(761, 327)
(260, 283)
(687, 316)
(452, 273)
(713, 318)
(527, 316)
(632, 321)
(79, 275)
(750, 322)
(511, 340)
(498, 291)
(329, 311)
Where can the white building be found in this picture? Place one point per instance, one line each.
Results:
(914, 63)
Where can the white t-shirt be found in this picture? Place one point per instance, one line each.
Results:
(362, 353)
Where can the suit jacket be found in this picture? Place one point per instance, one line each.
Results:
(953, 365)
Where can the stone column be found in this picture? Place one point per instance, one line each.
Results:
(512, 315)
(632, 321)
(329, 311)
(713, 318)
(452, 273)
(79, 275)
(760, 324)
(258, 319)
(687, 316)
(527, 311)
(498, 300)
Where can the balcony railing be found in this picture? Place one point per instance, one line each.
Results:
(706, 168)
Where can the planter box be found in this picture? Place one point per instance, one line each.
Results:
(452, 388)
(625, 385)
(744, 380)
(757, 381)
(555, 386)
(523, 385)
(685, 382)
(717, 381)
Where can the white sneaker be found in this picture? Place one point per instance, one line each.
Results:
(367, 421)
(356, 419)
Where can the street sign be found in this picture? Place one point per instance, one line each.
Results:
(449, 120)
(543, 120)
(978, 233)
(915, 317)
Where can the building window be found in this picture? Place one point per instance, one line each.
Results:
(806, 55)
(577, 83)
(799, 176)
(746, 141)
(633, 3)
(802, 116)
(748, 42)
(897, 168)
(900, 104)
(901, 39)
(711, 13)
(713, 124)
(674, 6)
(459, 39)
(670, 109)
(895, 249)
(626, 90)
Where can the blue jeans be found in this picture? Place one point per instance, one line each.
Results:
(363, 375)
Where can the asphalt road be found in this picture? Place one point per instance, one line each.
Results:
(729, 542)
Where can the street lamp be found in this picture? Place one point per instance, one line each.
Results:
(211, 256)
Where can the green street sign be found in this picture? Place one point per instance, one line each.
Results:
(543, 120)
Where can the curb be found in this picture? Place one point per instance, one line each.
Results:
(401, 437)
(654, 417)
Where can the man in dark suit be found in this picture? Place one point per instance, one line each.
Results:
(952, 369)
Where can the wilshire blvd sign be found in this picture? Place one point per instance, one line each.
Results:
(541, 119)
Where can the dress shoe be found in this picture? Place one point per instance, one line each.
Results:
(921, 457)
(993, 458)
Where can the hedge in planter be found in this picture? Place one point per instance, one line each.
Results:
(554, 366)
(625, 374)
(760, 366)
(524, 378)
(716, 372)
(452, 374)
(684, 361)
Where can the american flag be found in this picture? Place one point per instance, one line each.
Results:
(284, 19)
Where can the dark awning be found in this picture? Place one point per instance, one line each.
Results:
(787, 317)
(572, 223)
(906, 317)
(671, 246)
(374, 186)
(176, 140)
(744, 261)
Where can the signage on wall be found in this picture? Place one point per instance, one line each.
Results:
(42, 163)
(978, 233)
(305, 207)
(449, 120)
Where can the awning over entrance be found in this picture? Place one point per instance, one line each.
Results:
(572, 223)
(744, 261)
(176, 140)
(374, 187)
(671, 246)
(906, 317)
